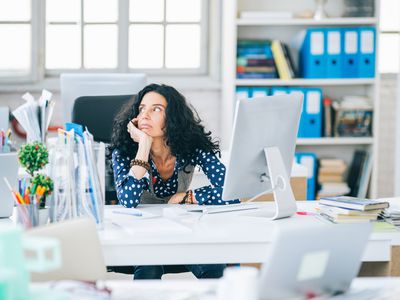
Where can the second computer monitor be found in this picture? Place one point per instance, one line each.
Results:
(260, 123)
(97, 84)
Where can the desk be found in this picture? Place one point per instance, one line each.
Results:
(206, 289)
(228, 238)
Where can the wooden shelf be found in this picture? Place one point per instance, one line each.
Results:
(335, 141)
(305, 82)
(307, 22)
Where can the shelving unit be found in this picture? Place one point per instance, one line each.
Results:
(235, 28)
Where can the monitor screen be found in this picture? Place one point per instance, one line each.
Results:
(260, 123)
(98, 84)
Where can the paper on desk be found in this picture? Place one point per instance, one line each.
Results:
(122, 213)
(150, 226)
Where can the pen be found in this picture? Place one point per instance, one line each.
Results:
(305, 213)
(130, 213)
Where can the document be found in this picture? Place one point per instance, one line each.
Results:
(150, 227)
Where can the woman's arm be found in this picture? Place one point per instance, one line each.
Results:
(129, 189)
(215, 171)
(144, 141)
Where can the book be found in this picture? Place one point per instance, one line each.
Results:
(355, 171)
(345, 220)
(339, 211)
(331, 162)
(289, 60)
(280, 60)
(354, 203)
(365, 177)
(330, 178)
(327, 117)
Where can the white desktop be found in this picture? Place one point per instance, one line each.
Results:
(262, 151)
(76, 85)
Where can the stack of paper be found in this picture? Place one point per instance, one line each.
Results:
(34, 116)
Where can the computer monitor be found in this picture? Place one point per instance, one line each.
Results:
(74, 85)
(262, 150)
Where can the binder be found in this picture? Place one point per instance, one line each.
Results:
(366, 56)
(311, 116)
(350, 52)
(259, 92)
(279, 91)
(243, 93)
(333, 46)
(312, 54)
(309, 160)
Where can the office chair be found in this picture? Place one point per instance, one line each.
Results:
(97, 113)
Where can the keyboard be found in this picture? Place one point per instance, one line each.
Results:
(216, 209)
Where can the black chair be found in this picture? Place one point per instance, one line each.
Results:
(97, 113)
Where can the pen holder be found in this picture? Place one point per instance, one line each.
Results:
(28, 215)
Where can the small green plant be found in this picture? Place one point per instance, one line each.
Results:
(33, 157)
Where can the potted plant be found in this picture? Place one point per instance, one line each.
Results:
(33, 158)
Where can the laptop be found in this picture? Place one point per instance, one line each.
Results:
(8, 169)
(81, 252)
(314, 261)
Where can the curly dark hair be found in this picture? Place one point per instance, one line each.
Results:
(184, 132)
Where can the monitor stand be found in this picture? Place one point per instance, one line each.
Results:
(285, 204)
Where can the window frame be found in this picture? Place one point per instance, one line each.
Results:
(385, 32)
(123, 23)
(35, 73)
(38, 80)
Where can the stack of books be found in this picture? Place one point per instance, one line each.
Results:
(331, 178)
(392, 214)
(344, 209)
(255, 60)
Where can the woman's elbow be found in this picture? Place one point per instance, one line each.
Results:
(130, 202)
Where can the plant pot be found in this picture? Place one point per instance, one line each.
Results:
(43, 215)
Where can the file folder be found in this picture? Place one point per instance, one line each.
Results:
(312, 54)
(309, 160)
(243, 93)
(279, 91)
(311, 116)
(366, 56)
(333, 46)
(350, 52)
(259, 92)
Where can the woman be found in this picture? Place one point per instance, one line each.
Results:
(155, 146)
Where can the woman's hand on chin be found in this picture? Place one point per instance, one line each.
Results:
(177, 198)
(138, 135)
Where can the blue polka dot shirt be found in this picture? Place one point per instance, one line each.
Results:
(129, 189)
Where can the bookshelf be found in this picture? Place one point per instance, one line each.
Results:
(234, 28)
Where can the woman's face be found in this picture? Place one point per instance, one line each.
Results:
(151, 118)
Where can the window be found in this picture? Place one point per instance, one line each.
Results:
(45, 38)
(389, 51)
(152, 36)
(16, 38)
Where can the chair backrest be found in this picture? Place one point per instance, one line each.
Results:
(81, 253)
(97, 113)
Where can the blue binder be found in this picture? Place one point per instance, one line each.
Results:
(259, 92)
(350, 52)
(311, 115)
(243, 93)
(333, 46)
(312, 54)
(279, 91)
(366, 56)
(309, 160)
